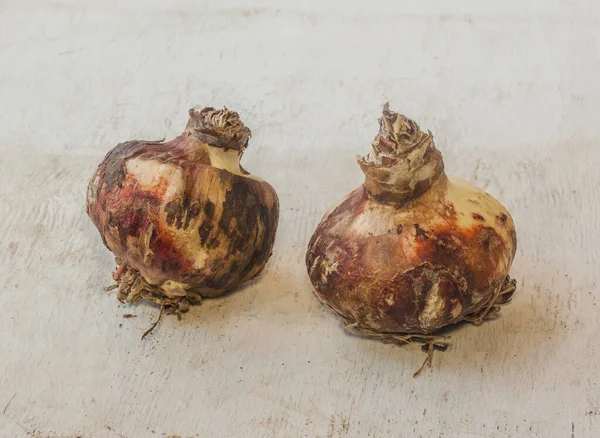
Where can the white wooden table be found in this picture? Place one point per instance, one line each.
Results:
(510, 90)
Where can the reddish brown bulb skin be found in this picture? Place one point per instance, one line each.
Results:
(416, 268)
(411, 250)
(182, 222)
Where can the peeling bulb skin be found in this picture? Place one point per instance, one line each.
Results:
(412, 250)
(183, 218)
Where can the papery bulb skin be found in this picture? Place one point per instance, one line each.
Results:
(183, 218)
(412, 250)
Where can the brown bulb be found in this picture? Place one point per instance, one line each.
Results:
(411, 250)
(183, 218)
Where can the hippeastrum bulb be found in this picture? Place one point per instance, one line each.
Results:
(183, 218)
(411, 250)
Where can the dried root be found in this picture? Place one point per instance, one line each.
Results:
(429, 349)
(430, 342)
(435, 342)
(502, 296)
(132, 288)
(153, 326)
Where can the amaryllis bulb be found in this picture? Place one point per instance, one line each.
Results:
(183, 218)
(412, 250)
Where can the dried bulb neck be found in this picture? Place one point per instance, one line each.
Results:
(403, 163)
(221, 129)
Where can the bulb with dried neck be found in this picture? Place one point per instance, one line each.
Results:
(183, 218)
(411, 250)
(403, 163)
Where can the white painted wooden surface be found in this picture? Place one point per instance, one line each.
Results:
(510, 90)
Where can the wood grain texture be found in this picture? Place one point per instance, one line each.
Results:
(509, 90)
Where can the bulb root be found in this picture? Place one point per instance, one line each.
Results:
(502, 296)
(432, 342)
(133, 288)
(153, 326)
(429, 349)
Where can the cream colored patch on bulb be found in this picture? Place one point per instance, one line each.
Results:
(456, 309)
(227, 160)
(150, 174)
(189, 244)
(200, 258)
(330, 265)
(374, 220)
(390, 299)
(434, 305)
(469, 199)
